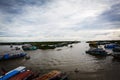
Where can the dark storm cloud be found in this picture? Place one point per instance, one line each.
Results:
(15, 6)
(113, 14)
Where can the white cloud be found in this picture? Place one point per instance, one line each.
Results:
(56, 20)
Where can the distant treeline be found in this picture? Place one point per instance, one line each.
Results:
(111, 41)
(38, 43)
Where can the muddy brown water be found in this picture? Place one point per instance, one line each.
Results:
(66, 59)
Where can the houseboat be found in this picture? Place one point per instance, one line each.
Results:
(28, 47)
(12, 56)
(97, 51)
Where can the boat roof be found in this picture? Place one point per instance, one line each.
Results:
(49, 75)
(12, 72)
(22, 75)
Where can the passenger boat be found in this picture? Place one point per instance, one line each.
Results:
(97, 51)
(22, 76)
(53, 75)
(11, 56)
(13, 72)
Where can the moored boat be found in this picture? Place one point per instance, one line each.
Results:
(28, 47)
(53, 75)
(22, 76)
(13, 72)
(111, 46)
(97, 51)
(12, 56)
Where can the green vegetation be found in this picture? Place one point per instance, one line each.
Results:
(105, 41)
(43, 45)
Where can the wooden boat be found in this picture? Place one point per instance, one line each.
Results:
(28, 47)
(53, 75)
(23, 76)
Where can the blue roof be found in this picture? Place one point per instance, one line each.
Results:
(7, 76)
(12, 73)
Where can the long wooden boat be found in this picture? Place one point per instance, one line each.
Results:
(53, 75)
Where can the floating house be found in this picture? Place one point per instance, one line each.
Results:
(28, 47)
(97, 51)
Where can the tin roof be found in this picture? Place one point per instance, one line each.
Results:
(49, 75)
(22, 75)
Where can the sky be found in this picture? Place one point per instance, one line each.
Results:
(58, 20)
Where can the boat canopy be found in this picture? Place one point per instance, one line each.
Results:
(12, 73)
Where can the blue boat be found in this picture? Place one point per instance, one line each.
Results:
(11, 56)
(13, 73)
(97, 51)
(111, 46)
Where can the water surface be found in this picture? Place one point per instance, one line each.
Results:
(67, 60)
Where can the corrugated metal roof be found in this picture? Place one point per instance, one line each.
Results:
(50, 75)
(22, 75)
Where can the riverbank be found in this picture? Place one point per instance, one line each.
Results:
(43, 45)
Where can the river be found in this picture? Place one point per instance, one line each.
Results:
(66, 59)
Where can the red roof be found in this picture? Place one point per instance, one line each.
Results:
(50, 75)
(22, 75)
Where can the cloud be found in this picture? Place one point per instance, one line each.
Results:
(36, 20)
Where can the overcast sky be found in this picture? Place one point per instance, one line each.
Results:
(47, 20)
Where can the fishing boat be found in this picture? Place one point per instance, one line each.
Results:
(53, 75)
(13, 72)
(97, 51)
(12, 56)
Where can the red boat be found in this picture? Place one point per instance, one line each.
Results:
(22, 76)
